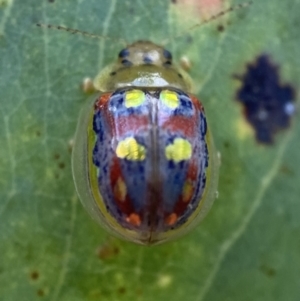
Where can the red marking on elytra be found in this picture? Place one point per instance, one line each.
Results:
(102, 101)
(133, 124)
(197, 103)
(186, 125)
(124, 205)
(182, 204)
(192, 171)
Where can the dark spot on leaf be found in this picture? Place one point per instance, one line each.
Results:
(189, 39)
(38, 133)
(56, 156)
(287, 170)
(268, 104)
(180, 75)
(174, 1)
(108, 251)
(113, 73)
(268, 271)
(51, 1)
(61, 165)
(226, 144)
(139, 292)
(3, 4)
(34, 275)
(221, 28)
(40, 293)
(122, 290)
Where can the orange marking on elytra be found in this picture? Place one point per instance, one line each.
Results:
(171, 219)
(102, 100)
(134, 219)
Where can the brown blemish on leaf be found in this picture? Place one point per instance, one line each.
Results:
(56, 156)
(122, 290)
(70, 145)
(267, 270)
(226, 144)
(40, 292)
(61, 165)
(107, 251)
(34, 275)
(221, 28)
(201, 8)
(286, 170)
(139, 292)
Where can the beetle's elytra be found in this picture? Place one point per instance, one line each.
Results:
(144, 163)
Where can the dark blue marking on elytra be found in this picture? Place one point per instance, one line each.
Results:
(265, 99)
(203, 124)
(167, 54)
(98, 126)
(206, 154)
(186, 102)
(124, 53)
(181, 93)
(96, 155)
(134, 173)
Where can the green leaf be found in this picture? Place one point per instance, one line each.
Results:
(247, 248)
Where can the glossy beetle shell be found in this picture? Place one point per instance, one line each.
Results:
(144, 163)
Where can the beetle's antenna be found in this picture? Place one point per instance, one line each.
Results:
(210, 19)
(84, 33)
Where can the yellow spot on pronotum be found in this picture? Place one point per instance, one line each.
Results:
(187, 191)
(179, 150)
(134, 98)
(120, 190)
(169, 98)
(130, 149)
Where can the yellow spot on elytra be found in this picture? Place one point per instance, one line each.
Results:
(120, 190)
(130, 149)
(134, 219)
(179, 150)
(169, 98)
(187, 191)
(134, 98)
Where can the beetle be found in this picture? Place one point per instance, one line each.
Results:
(144, 162)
